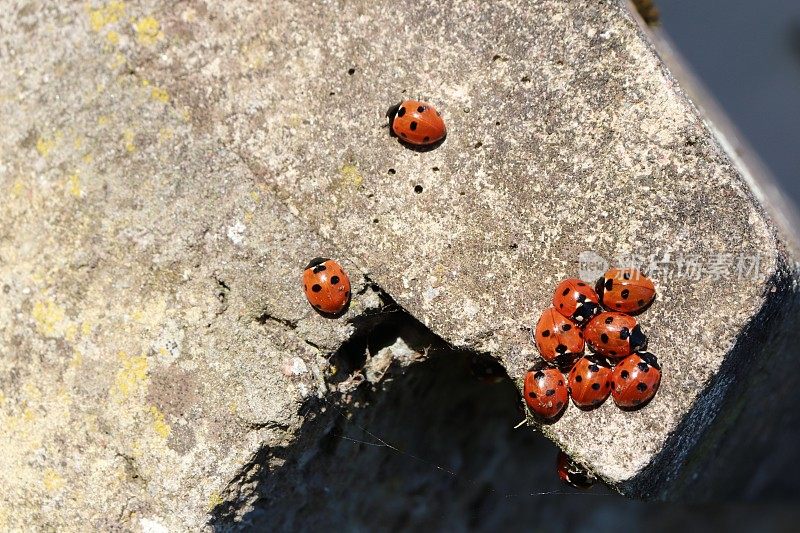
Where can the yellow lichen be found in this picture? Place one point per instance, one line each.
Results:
(71, 333)
(48, 317)
(131, 375)
(214, 499)
(52, 480)
(102, 120)
(73, 185)
(128, 140)
(86, 328)
(17, 188)
(148, 31)
(351, 175)
(113, 38)
(44, 145)
(107, 14)
(77, 359)
(160, 95)
(161, 428)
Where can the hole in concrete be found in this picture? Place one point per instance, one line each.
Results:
(392, 171)
(432, 445)
(351, 71)
(418, 189)
(435, 169)
(478, 144)
(374, 220)
(525, 79)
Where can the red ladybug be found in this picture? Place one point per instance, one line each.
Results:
(545, 392)
(635, 380)
(416, 122)
(572, 473)
(626, 290)
(577, 300)
(589, 382)
(558, 339)
(615, 335)
(326, 285)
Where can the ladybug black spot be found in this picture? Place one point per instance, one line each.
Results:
(421, 109)
(609, 284)
(609, 320)
(617, 304)
(642, 386)
(426, 139)
(550, 392)
(581, 284)
(578, 379)
(561, 348)
(640, 303)
(624, 374)
(413, 125)
(532, 394)
(565, 292)
(403, 134)
(316, 287)
(401, 111)
(604, 338)
(546, 333)
(566, 327)
(595, 386)
(625, 293)
(624, 333)
(612, 352)
(608, 384)
(334, 280)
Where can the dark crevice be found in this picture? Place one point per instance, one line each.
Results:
(265, 317)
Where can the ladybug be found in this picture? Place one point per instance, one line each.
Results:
(327, 286)
(558, 339)
(635, 380)
(626, 290)
(545, 392)
(615, 335)
(589, 382)
(577, 300)
(416, 123)
(572, 473)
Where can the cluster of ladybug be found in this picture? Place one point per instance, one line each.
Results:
(601, 318)
(325, 282)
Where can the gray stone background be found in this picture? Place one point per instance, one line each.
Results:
(168, 170)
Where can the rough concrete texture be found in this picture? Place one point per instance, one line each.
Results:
(168, 170)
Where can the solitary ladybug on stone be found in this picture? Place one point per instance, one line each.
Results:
(626, 290)
(327, 286)
(416, 123)
(575, 299)
(545, 392)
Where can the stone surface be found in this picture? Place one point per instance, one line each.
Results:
(168, 170)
